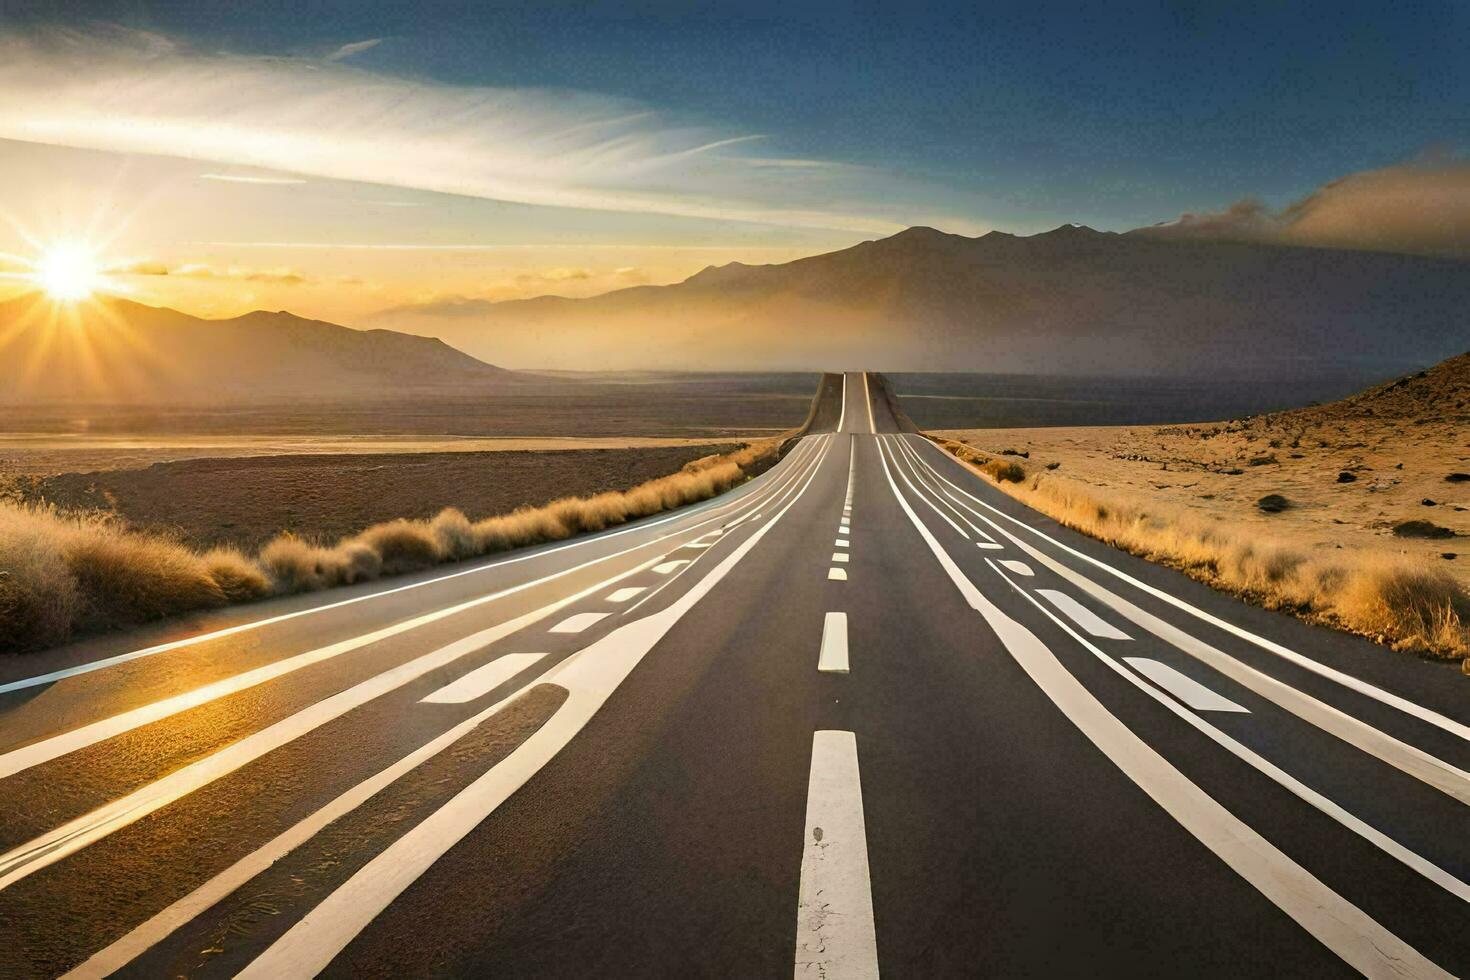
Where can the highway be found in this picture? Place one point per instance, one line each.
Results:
(863, 714)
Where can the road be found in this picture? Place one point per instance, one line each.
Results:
(862, 714)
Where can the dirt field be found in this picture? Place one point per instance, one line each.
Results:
(246, 501)
(1350, 472)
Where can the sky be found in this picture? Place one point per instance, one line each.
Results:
(338, 159)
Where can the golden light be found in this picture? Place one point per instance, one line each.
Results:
(68, 273)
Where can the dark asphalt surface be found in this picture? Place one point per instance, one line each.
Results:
(1037, 806)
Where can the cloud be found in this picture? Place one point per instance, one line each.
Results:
(242, 179)
(117, 90)
(356, 47)
(203, 270)
(1421, 207)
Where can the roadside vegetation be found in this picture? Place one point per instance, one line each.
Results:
(64, 574)
(1403, 604)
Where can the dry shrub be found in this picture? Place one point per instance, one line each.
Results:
(60, 573)
(1408, 606)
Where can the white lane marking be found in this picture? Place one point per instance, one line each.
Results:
(1183, 687)
(837, 575)
(482, 680)
(717, 503)
(1082, 616)
(840, 543)
(833, 656)
(696, 547)
(835, 938)
(920, 473)
(1342, 927)
(884, 449)
(1308, 795)
(36, 753)
(1018, 567)
(669, 566)
(842, 418)
(1407, 758)
(623, 595)
(148, 934)
(1403, 704)
(839, 557)
(76, 834)
(989, 545)
(867, 394)
(844, 531)
(846, 521)
(590, 676)
(578, 622)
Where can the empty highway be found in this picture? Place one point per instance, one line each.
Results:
(864, 714)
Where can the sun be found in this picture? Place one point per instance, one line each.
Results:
(68, 273)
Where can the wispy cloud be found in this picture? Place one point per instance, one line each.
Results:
(241, 179)
(1420, 207)
(123, 91)
(203, 270)
(356, 47)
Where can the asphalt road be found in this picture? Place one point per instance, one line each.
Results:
(862, 714)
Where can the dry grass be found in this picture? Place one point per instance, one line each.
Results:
(1396, 602)
(62, 574)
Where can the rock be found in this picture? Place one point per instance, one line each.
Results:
(1428, 503)
(1458, 478)
(1231, 472)
(1448, 555)
(1421, 529)
(1273, 503)
(1346, 477)
(1263, 461)
(1052, 466)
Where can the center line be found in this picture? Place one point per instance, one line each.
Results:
(834, 913)
(833, 656)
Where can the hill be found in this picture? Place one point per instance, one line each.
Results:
(116, 351)
(1072, 300)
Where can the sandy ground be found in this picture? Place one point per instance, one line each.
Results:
(1220, 471)
(39, 455)
(245, 501)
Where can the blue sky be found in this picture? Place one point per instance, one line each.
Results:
(616, 143)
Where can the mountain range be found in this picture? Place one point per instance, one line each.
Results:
(117, 351)
(1071, 301)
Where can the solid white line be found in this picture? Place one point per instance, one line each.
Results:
(669, 566)
(835, 937)
(578, 622)
(884, 448)
(482, 680)
(590, 676)
(839, 556)
(1427, 768)
(76, 834)
(832, 658)
(623, 595)
(36, 753)
(147, 934)
(1183, 687)
(1308, 795)
(841, 419)
(1342, 927)
(837, 575)
(721, 503)
(908, 464)
(1082, 616)
(1403, 704)
(868, 395)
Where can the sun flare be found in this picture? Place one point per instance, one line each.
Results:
(68, 273)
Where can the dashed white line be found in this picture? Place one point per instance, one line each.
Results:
(835, 937)
(833, 656)
(1082, 616)
(1018, 567)
(837, 575)
(669, 566)
(839, 556)
(1183, 687)
(623, 595)
(840, 543)
(578, 622)
(482, 680)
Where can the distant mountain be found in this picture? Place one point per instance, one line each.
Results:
(119, 351)
(1072, 300)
